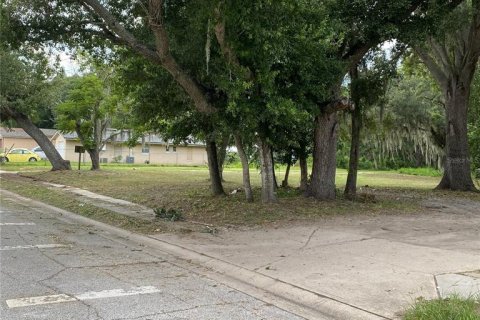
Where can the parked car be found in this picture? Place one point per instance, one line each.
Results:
(40, 152)
(19, 155)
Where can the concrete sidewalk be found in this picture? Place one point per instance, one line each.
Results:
(355, 267)
(119, 206)
(378, 264)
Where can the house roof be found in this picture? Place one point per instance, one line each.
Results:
(19, 133)
(121, 136)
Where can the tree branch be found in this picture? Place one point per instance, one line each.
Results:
(116, 28)
(434, 68)
(440, 52)
(226, 48)
(473, 43)
(162, 54)
(337, 105)
(191, 87)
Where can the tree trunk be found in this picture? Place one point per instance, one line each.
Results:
(94, 153)
(287, 172)
(303, 172)
(351, 186)
(322, 185)
(457, 174)
(275, 183)
(266, 167)
(222, 154)
(95, 157)
(56, 160)
(245, 168)
(215, 179)
(98, 127)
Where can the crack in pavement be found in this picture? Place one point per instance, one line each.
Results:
(118, 278)
(8, 274)
(91, 308)
(25, 241)
(256, 310)
(310, 238)
(140, 317)
(120, 264)
(50, 277)
(168, 313)
(270, 263)
(306, 243)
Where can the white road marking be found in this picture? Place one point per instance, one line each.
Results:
(60, 298)
(33, 301)
(116, 293)
(17, 223)
(36, 246)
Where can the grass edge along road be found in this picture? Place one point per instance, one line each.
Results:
(450, 308)
(186, 190)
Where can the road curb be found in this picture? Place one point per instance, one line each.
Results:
(292, 298)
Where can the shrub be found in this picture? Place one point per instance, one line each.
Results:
(169, 215)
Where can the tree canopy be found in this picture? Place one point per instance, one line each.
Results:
(270, 73)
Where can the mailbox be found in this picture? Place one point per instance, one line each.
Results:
(79, 149)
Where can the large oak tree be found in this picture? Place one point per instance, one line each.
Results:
(451, 55)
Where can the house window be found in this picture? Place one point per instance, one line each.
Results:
(174, 148)
(167, 148)
(145, 146)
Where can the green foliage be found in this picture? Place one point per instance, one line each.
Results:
(117, 159)
(90, 107)
(452, 308)
(474, 122)
(290, 57)
(232, 159)
(405, 128)
(27, 85)
(169, 215)
(84, 105)
(425, 171)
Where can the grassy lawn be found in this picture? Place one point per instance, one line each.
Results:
(186, 189)
(452, 308)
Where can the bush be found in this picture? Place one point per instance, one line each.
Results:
(117, 159)
(169, 215)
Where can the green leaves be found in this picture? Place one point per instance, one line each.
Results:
(474, 121)
(84, 101)
(25, 82)
(88, 108)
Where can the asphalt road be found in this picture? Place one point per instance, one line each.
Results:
(55, 268)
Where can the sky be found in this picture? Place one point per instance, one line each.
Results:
(67, 61)
(69, 64)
